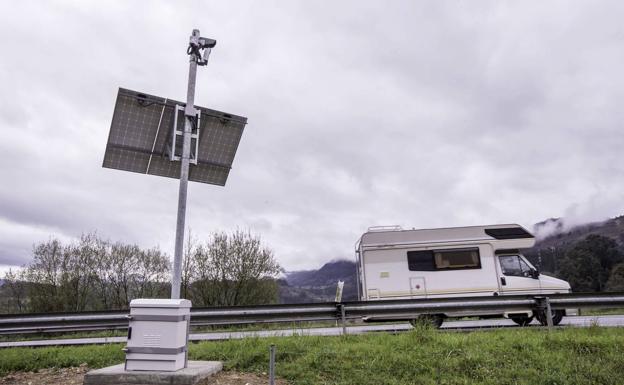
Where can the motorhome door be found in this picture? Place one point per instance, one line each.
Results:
(515, 276)
(417, 287)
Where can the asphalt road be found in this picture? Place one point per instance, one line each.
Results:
(577, 321)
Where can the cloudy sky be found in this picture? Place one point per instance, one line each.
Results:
(417, 113)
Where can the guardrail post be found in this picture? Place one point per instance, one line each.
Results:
(343, 319)
(543, 307)
(549, 316)
(272, 365)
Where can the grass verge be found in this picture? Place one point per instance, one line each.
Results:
(506, 356)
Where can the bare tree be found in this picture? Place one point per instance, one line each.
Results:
(44, 273)
(135, 273)
(123, 262)
(15, 288)
(79, 272)
(62, 278)
(93, 274)
(103, 287)
(234, 269)
(151, 272)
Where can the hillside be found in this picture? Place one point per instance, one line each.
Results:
(319, 285)
(562, 236)
(550, 249)
(328, 274)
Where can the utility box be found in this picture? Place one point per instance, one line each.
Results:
(158, 334)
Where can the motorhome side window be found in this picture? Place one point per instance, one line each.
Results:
(513, 265)
(420, 260)
(431, 260)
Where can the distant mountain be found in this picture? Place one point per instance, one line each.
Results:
(320, 285)
(328, 274)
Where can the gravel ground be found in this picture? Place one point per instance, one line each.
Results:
(74, 376)
(47, 377)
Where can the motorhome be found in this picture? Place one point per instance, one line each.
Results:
(393, 263)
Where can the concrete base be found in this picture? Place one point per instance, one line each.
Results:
(116, 375)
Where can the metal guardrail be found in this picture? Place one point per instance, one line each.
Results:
(334, 311)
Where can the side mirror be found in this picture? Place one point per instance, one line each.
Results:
(535, 273)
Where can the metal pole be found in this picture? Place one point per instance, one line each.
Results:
(189, 113)
(272, 365)
(343, 319)
(549, 315)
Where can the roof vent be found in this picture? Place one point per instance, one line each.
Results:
(508, 233)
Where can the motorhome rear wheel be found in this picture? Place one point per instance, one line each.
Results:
(433, 320)
(522, 320)
(557, 316)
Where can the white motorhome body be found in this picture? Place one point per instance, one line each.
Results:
(451, 262)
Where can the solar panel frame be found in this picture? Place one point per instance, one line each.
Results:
(141, 133)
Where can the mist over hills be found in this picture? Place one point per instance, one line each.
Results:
(554, 232)
(553, 235)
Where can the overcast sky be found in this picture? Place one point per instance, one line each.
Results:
(417, 113)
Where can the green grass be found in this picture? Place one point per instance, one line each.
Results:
(62, 335)
(30, 359)
(592, 355)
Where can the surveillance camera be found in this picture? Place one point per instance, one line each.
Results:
(207, 43)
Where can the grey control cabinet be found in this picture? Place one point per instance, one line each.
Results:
(158, 334)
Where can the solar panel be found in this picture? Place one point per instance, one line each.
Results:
(141, 137)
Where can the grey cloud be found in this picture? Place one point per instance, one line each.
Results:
(360, 113)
